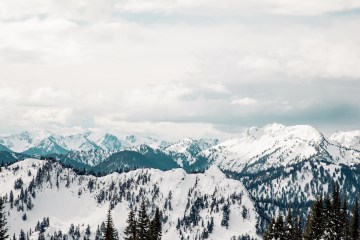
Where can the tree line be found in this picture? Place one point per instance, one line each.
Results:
(329, 219)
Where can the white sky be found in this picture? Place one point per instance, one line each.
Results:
(179, 68)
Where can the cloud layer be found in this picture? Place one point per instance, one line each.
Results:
(165, 67)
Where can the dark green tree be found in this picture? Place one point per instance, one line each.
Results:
(289, 226)
(354, 226)
(335, 211)
(279, 232)
(315, 223)
(297, 232)
(110, 232)
(131, 230)
(270, 233)
(328, 213)
(143, 222)
(155, 229)
(344, 220)
(3, 222)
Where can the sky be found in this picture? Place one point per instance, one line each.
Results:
(178, 68)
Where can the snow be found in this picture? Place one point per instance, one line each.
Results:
(280, 145)
(64, 205)
(350, 139)
(276, 145)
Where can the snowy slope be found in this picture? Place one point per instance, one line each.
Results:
(349, 139)
(276, 145)
(18, 142)
(45, 146)
(135, 141)
(185, 150)
(64, 197)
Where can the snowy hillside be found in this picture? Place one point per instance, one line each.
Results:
(275, 145)
(349, 139)
(185, 150)
(190, 202)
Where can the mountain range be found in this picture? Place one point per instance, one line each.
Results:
(278, 166)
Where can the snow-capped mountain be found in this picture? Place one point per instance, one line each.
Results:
(46, 146)
(144, 157)
(18, 142)
(275, 145)
(192, 204)
(185, 150)
(349, 139)
(136, 141)
(46, 142)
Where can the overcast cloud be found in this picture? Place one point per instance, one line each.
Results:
(177, 68)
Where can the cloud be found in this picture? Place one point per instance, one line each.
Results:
(244, 101)
(47, 116)
(306, 7)
(164, 130)
(9, 95)
(201, 66)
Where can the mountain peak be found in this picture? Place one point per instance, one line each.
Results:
(348, 139)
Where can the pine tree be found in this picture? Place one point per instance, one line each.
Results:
(226, 216)
(98, 234)
(297, 232)
(155, 229)
(315, 223)
(336, 212)
(288, 231)
(328, 217)
(3, 222)
(279, 232)
(270, 233)
(22, 235)
(143, 222)
(354, 226)
(344, 220)
(110, 231)
(131, 231)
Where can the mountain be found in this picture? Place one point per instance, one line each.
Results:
(285, 166)
(146, 157)
(185, 150)
(89, 158)
(349, 139)
(4, 148)
(57, 197)
(280, 166)
(45, 147)
(275, 145)
(7, 157)
(135, 141)
(17, 142)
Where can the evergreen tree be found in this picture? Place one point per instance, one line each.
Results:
(288, 231)
(98, 234)
(22, 235)
(336, 213)
(344, 220)
(110, 232)
(297, 232)
(354, 226)
(155, 229)
(130, 230)
(3, 222)
(87, 232)
(226, 216)
(328, 216)
(270, 233)
(315, 223)
(279, 231)
(143, 222)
